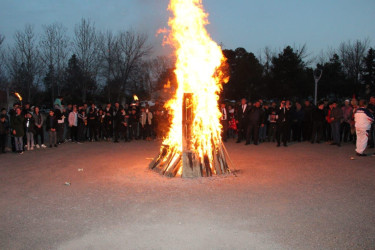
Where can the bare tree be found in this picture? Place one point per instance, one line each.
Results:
(352, 55)
(2, 58)
(133, 49)
(268, 55)
(54, 46)
(108, 48)
(85, 46)
(156, 68)
(25, 59)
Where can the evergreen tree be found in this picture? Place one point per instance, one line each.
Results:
(245, 74)
(290, 77)
(333, 82)
(369, 72)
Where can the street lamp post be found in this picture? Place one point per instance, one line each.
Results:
(317, 75)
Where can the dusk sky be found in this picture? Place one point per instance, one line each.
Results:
(321, 24)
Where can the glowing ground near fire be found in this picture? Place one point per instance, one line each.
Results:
(304, 197)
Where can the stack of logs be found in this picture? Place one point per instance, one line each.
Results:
(170, 159)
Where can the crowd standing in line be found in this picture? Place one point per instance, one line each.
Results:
(253, 122)
(285, 122)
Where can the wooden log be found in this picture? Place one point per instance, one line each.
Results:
(190, 165)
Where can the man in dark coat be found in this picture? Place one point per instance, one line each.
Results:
(307, 120)
(282, 123)
(18, 130)
(255, 120)
(318, 118)
(242, 119)
(335, 118)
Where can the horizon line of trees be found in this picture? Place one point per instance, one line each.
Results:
(104, 66)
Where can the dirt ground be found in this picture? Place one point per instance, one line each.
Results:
(300, 197)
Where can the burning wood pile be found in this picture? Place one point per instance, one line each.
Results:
(193, 146)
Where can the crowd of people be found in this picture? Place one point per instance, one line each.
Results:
(253, 122)
(28, 127)
(284, 122)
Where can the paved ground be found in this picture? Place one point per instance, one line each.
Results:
(301, 197)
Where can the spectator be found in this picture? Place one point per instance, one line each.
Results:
(371, 108)
(307, 121)
(60, 126)
(58, 103)
(92, 118)
(347, 112)
(282, 123)
(297, 117)
(146, 123)
(108, 121)
(363, 119)
(18, 130)
(73, 124)
(263, 129)
(224, 121)
(38, 121)
(51, 126)
(30, 131)
(133, 124)
(255, 120)
(123, 124)
(82, 124)
(318, 118)
(336, 118)
(242, 119)
(4, 130)
(232, 129)
(272, 118)
(102, 132)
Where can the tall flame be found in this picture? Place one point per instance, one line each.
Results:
(198, 70)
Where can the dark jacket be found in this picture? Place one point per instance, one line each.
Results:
(51, 122)
(308, 110)
(242, 116)
(4, 127)
(337, 114)
(18, 125)
(297, 116)
(318, 115)
(283, 116)
(133, 119)
(30, 125)
(255, 115)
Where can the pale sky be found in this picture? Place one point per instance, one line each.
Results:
(253, 25)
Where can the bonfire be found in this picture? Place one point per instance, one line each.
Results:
(193, 146)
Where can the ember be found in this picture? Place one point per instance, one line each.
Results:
(193, 146)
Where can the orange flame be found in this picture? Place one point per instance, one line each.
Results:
(135, 98)
(18, 96)
(198, 70)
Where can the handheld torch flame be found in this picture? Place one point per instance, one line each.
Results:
(135, 98)
(18, 96)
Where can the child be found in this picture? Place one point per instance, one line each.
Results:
(51, 125)
(30, 130)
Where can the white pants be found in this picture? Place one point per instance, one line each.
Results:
(362, 138)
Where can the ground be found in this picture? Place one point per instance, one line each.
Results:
(301, 197)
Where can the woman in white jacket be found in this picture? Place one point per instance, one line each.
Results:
(363, 120)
